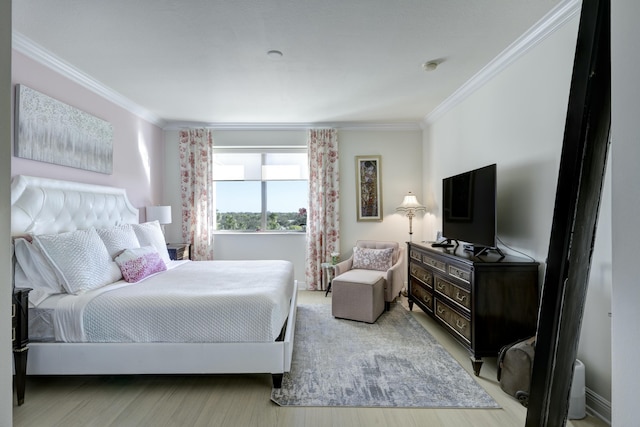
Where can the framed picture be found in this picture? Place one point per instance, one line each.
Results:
(48, 130)
(368, 188)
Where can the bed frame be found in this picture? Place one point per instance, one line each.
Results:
(41, 205)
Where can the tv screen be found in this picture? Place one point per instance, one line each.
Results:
(469, 207)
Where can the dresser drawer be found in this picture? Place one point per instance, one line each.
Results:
(421, 274)
(455, 293)
(415, 255)
(422, 295)
(461, 273)
(434, 263)
(454, 320)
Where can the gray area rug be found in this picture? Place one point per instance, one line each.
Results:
(394, 362)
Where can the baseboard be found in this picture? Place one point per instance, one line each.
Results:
(598, 406)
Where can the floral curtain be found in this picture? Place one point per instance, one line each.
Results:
(198, 215)
(323, 232)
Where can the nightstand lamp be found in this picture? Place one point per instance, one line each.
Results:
(160, 213)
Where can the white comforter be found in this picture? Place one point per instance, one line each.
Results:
(195, 301)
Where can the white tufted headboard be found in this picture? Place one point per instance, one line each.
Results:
(44, 206)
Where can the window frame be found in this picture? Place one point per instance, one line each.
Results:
(263, 151)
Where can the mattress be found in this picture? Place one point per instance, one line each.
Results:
(195, 301)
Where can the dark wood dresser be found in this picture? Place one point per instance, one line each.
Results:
(20, 337)
(484, 302)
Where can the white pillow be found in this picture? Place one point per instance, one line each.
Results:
(372, 259)
(150, 234)
(79, 257)
(37, 271)
(20, 281)
(118, 238)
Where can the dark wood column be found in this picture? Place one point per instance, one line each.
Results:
(580, 180)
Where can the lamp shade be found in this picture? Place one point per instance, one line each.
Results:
(410, 204)
(160, 213)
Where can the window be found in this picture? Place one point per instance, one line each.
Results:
(265, 190)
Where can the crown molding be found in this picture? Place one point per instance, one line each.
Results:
(36, 52)
(362, 126)
(553, 20)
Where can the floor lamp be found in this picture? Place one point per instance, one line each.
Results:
(410, 206)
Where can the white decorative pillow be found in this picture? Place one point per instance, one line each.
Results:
(79, 258)
(372, 259)
(138, 263)
(37, 272)
(150, 234)
(118, 238)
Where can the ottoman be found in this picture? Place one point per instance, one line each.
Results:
(358, 295)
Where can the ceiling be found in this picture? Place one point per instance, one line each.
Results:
(343, 61)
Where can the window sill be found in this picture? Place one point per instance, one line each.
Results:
(260, 233)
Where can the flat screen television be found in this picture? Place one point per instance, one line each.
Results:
(469, 209)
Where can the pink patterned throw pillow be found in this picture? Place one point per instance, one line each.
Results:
(372, 259)
(138, 263)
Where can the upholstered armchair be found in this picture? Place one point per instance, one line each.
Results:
(368, 260)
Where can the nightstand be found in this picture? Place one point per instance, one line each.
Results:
(178, 251)
(20, 337)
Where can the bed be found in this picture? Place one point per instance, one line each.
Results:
(209, 317)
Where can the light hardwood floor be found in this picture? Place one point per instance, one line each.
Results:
(242, 400)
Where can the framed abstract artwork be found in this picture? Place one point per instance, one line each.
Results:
(368, 188)
(51, 131)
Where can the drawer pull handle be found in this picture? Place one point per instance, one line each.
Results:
(426, 299)
(440, 286)
(460, 297)
(460, 324)
(441, 310)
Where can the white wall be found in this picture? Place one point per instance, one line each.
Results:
(401, 152)
(137, 144)
(517, 121)
(6, 384)
(626, 209)
(240, 246)
(401, 172)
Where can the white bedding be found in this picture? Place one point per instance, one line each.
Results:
(46, 206)
(196, 301)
